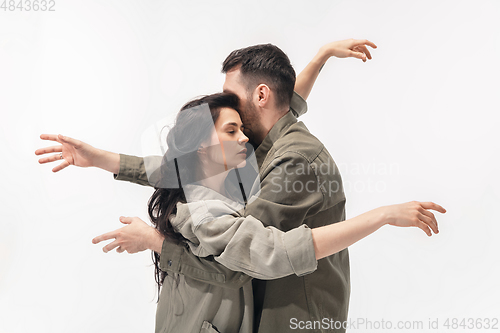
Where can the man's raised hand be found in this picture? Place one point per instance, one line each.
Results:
(355, 48)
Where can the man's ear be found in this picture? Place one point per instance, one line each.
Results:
(263, 94)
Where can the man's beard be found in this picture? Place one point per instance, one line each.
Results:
(251, 122)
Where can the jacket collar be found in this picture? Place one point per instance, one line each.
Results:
(276, 132)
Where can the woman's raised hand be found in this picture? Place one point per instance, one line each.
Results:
(77, 153)
(413, 214)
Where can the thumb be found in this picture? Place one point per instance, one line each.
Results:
(125, 220)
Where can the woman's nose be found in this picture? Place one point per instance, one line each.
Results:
(242, 139)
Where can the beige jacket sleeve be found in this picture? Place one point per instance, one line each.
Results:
(244, 244)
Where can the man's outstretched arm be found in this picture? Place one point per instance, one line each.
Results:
(138, 170)
(77, 153)
(355, 48)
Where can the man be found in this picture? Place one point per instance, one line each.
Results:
(295, 190)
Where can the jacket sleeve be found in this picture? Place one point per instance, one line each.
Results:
(268, 253)
(177, 258)
(298, 105)
(139, 170)
(244, 244)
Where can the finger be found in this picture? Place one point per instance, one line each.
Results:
(427, 220)
(365, 51)
(429, 214)
(111, 246)
(69, 140)
(106, 236)
(358, 55)
(364, 42)
(119, 249)
(52, 158)
(52, 149)
(362, 49)
(51, 137)
(433, 206)
(126, 220)
(424, 227)
(61, 166)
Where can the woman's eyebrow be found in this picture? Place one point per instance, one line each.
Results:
(232, 124)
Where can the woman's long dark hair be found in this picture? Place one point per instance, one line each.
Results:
(192, 127)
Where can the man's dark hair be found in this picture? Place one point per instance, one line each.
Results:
(265, 63)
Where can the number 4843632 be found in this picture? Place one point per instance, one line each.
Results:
(471, 323)
(28, 5)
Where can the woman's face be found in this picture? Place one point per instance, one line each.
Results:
(227, 143)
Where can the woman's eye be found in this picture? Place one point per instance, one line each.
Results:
(231, 132)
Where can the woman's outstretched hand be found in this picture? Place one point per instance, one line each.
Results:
(135, 237)
(77, 153)
(337, 236)
(413, 214)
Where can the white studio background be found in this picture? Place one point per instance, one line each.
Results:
(418, 122)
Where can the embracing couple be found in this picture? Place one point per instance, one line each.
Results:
(246, 237)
